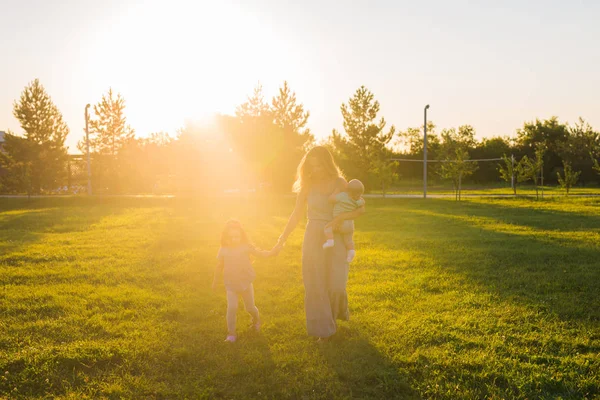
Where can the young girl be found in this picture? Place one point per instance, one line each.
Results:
(235, 267)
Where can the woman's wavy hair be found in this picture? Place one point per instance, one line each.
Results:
(304, 177)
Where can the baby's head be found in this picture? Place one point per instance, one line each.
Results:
(355, 189)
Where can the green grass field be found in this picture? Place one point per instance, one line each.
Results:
(487, 298)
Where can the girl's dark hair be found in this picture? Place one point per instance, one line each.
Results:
(231, 225)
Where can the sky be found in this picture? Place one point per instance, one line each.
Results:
(493, 65)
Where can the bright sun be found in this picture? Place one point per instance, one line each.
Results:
(178, 60)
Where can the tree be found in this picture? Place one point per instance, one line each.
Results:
(454, 149)
(533, 167)
(595, 166)
(489, 148)
(512, 172)
(385, 171)
(457, 169)
(453, 139)
(288, 114)
(16, 164)
(45, 133)
(551, 134)
(255, 105)
(569, 178)
(410, 143)
(289, 130)
(109, 131)
(582, 140)
(158, 139)
(362, 147)
(109, 136)
(268, 141)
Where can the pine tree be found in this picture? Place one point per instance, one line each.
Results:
(269, 140)
(45, 133)
(255, 105)
(109, 131)
(288, 114)
(289, 121)
(110, 135)
(363, 146)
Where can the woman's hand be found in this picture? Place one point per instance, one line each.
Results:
(277, 248)
(298, 212)
(337, 221)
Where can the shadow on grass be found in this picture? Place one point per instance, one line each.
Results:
(554, 274)
(546, 218)
(362, 370)
(538, 218)
(354, 368)
(279, 363)
(24, 222)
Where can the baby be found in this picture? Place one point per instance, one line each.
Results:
(344, 202)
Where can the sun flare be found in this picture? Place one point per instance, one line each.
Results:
(182, 61)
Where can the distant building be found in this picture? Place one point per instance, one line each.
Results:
(2, 133)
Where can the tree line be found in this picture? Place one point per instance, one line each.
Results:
(261, 144)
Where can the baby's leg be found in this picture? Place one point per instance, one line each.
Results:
(232, 306)
(329, 236)
(248, 296)
(350, 246)
(348, 236)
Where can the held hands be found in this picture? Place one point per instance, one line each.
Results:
(276, 249)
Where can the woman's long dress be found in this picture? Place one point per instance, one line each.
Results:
(324, 271)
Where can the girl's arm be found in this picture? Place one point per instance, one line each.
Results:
(218, 273)
(297, 214)
(261, 253)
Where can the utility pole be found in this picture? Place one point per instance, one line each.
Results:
(87, 145)
(425, 153)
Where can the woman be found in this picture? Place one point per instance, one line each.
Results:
(324, 272)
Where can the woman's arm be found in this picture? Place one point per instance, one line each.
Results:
(333, 197)
(297, 214)
(348, 215)
(261, 253)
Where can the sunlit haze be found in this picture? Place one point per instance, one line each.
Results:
(489, 65)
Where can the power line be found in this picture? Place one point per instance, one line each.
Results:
(444, 161)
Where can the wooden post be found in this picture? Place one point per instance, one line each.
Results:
(459, 184)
